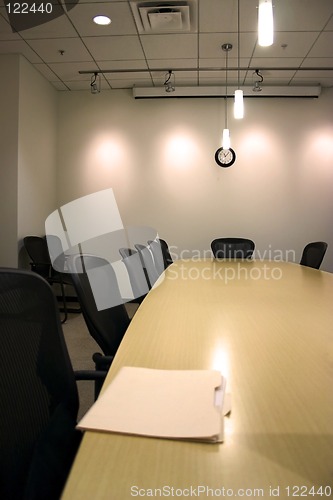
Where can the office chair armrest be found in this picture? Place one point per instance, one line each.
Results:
(97, 375)
(102, 362)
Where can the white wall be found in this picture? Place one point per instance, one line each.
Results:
(158, 156)
(27, 155)
(37, 160)
(9, 84)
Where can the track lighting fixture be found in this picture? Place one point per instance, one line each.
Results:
(257, 81)
(95, 83)
(169, 82)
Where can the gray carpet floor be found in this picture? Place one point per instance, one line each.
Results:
(81, 346)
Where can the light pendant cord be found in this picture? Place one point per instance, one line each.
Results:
(226, 90)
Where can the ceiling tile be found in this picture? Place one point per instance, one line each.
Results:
(288, 44)
(217, 16)
(210, 45)
(114, 47)
(49, 50)
(177, 46)
(302, 15)
(323, 46)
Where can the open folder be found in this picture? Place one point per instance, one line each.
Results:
(173, 404)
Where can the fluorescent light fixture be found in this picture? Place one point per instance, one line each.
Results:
(265, 23)
(226, 139)
(238, 105)
(102, 20)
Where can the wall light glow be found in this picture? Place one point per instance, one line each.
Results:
(180, 149)
(107, 151)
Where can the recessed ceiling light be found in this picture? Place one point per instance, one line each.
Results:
(102, 20)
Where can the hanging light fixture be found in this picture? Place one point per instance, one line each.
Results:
(226, 133)
(265, 23)
(225, 156)
(169, 82)
(239, 102)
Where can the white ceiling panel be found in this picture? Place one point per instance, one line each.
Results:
(51, 50)
(114, 47)
(288, 44)
(301, 15)
(323, 46)
(210, 45)
(178, 46)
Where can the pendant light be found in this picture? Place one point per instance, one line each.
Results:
(265, 23)
(239, 102)
(226, 133)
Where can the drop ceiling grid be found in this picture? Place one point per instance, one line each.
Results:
(303, 39)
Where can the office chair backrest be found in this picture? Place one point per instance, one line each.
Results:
(148, 262)
(107, 326)
(313, 254)
(37, 250)
(38, 394)
(136, 272)
(232, 248)
(156, 251)
(156, 246)
(166, 253)
(126, 252)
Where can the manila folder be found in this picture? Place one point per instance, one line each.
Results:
(174, 404)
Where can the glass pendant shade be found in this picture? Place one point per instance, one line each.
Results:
(238, 104)
(226, 139)
(265, 23)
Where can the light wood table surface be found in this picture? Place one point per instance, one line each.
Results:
(268, 327)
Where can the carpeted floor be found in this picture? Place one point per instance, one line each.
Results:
(81, 346)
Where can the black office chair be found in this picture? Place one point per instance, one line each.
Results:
(38, 393)
(137, 273)
(232, 248)
(148, 263)
(107, 326)
(313, 254)
(157, 246)
(38, 252)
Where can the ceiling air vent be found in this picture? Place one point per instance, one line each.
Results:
(164, 17)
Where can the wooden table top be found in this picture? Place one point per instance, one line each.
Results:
(268, 327)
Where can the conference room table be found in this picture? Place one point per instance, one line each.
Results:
(267, 326)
